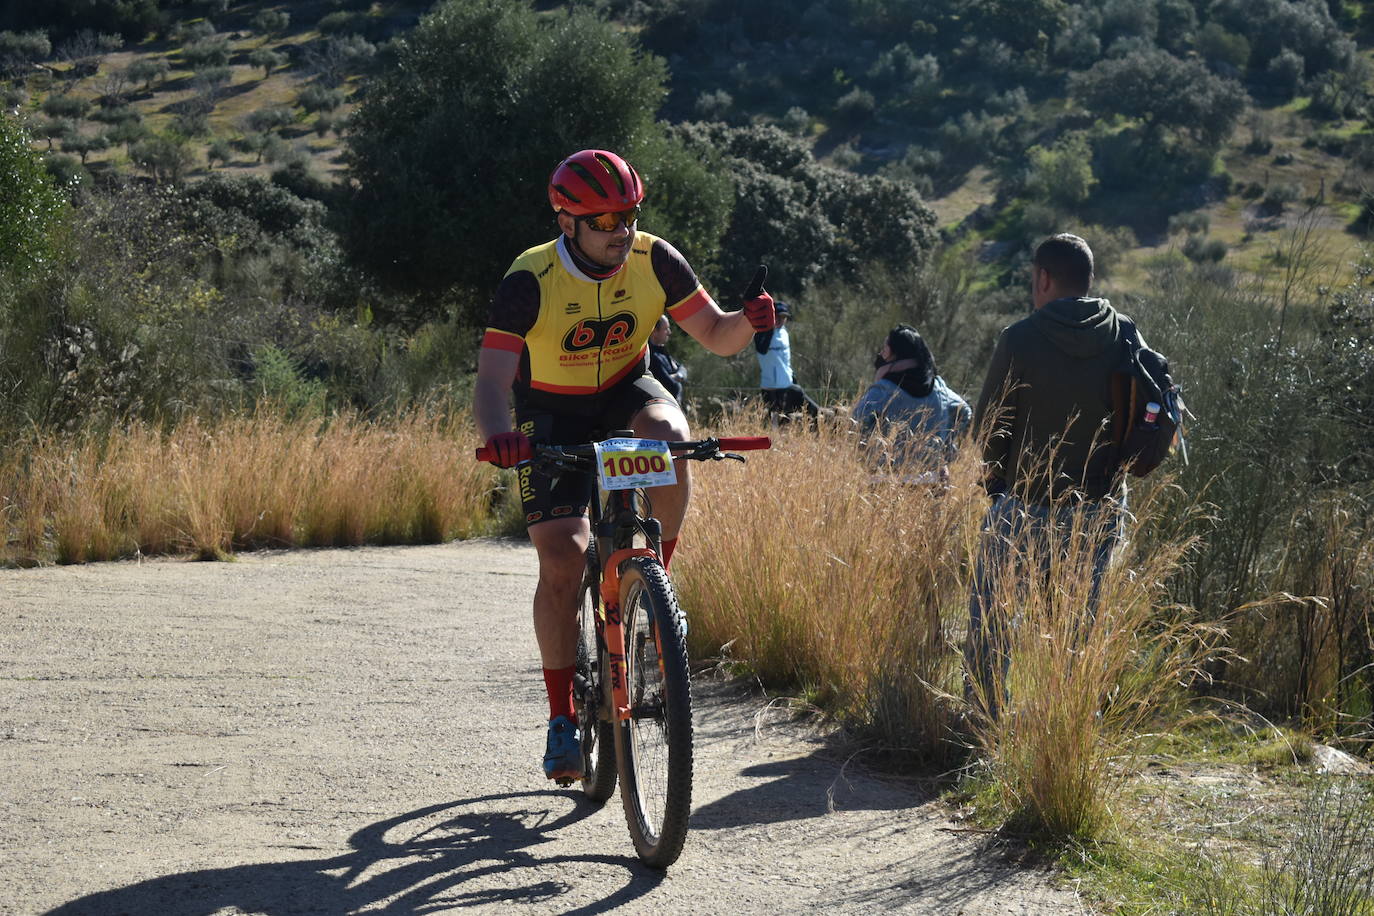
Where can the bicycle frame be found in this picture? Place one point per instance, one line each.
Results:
(618, 646)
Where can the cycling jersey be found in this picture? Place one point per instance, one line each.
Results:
(579, 336)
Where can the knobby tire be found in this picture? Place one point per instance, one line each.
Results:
(591, 697)
(654, 747)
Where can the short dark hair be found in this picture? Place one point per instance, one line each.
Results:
(1068, 260)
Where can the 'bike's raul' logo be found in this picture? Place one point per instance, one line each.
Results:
(604, 332)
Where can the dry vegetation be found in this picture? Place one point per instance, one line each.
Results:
(209, 487)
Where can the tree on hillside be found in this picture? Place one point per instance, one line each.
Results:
(85, 144)
(205, 53)
(1025, 25)
(1164, 93)
(166, 157)
(268, 22)
(1062, 174)
(453, 144)
(149, 70)
(267, 59)
(19, 51)
(30, 207)
(807, 221)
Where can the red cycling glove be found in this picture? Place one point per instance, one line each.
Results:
(759, 311)
(509, 449)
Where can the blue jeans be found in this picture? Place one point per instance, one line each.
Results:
(1012, 528)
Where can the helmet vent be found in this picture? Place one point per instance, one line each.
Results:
(611, 170)
(587, 176)
(566, 193)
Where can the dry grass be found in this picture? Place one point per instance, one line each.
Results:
(823, 577)
(212, 487)
(853, 591)
(1083, 674)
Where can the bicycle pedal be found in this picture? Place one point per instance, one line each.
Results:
(564, 781)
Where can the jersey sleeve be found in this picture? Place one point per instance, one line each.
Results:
(683, 292)
(514, 309)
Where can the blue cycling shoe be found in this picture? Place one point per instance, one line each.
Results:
(563, 753)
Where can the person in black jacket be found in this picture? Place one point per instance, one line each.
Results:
(664, 367)
(1045, 410)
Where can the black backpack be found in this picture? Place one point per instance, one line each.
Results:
(1147, 410)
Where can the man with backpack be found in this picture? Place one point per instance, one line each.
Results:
(1052, 447)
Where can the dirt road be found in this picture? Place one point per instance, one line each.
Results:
(358, 731)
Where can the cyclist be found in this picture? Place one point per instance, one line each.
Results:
(567, 336)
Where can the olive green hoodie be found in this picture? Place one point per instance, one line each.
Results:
(1047, 396)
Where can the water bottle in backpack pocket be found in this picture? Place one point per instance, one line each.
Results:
(1147, 409)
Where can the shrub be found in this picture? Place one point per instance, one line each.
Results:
(715, 105)
(219, 150)
(320, 98)
(65, 106)
(856, 107)
(341, 22)
(1196, 223)
(1200, 249)
(796, 121)
(265, 120)
(271, 21)
(207, 52)
(149, 70)
(67, 172)
(190, 32)
(1279, 195)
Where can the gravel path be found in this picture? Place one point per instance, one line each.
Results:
(355, 731)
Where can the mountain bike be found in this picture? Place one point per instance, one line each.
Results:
(631, 686)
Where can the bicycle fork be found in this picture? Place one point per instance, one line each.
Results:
(614, 628)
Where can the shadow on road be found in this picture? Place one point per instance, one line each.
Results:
(427, 859)
(802, 788)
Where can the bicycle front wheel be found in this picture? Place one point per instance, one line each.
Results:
(591, 695)
(654, 746)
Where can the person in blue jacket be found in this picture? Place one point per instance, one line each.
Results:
(910, 407)
(781, 393)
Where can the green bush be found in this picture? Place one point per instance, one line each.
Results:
(31, 208)
(1200, 249)
(320, 98)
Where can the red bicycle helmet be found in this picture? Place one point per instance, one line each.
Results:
(594, 181)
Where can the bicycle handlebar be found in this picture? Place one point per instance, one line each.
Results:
(697, 450)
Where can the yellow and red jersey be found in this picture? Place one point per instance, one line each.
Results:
(579, 335)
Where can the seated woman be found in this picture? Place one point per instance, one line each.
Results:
(910, 408)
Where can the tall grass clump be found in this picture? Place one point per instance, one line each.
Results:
(820, 577)
(1078, 663)
(212, 486)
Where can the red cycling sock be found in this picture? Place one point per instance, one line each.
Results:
(558, 683)
(668, 548)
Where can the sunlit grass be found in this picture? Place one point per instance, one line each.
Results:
(852, 590)
(212, 487)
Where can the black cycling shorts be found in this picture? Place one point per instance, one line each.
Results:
(569, 495)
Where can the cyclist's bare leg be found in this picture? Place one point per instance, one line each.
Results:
(561, 545)
(664, 421)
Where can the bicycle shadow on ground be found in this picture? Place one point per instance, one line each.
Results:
(809, 786)
(425, 860)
